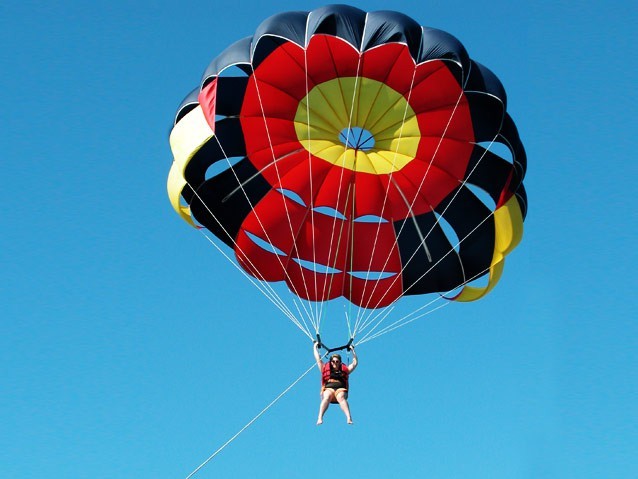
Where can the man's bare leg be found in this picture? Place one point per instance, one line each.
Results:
(343, 404)
(323, 406)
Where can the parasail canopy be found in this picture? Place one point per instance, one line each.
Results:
(352, 154)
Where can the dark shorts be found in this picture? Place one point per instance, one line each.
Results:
(334, 385)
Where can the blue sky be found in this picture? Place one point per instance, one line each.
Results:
(130, 348)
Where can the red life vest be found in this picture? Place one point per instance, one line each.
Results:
(325, 374)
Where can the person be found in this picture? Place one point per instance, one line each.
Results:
(334, 382)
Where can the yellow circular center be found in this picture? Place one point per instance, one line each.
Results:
(353, 104)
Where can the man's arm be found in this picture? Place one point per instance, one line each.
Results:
(354, 362)
(317, 356)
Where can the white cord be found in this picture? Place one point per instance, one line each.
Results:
(261, 413)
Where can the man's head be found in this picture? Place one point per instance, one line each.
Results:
(335, 360)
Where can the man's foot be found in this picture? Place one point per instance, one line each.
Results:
(319, 422)
(349, 420)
